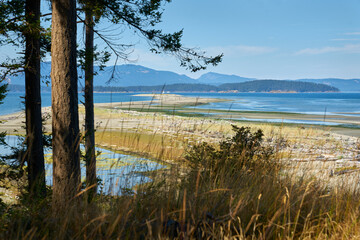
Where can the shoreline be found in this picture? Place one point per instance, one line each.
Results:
(179, 105)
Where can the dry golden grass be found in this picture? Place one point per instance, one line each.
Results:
(154, 146)
(261, 202)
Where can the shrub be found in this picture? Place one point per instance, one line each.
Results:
(244, 152)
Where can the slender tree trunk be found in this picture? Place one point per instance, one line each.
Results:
(65, 118)
(34, 154)
(89, 101)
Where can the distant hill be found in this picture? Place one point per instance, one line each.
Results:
(124, 75)
(250, 86)
(180, 87)
(20, 78)
(218, 79)
(277, 85)
(345, 85)
(16, 88)
(135, 75)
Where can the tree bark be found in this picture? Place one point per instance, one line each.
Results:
(34, 154)
(89, 102)
(65, 118)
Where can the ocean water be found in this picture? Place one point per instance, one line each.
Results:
(306, 103)
(341, 104)
(14, 100)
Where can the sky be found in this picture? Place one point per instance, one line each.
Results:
(264, 39)
(268, 39)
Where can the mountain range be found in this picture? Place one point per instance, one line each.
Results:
(136, 75)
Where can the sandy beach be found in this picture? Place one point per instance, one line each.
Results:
(178, 104)
(160, 100)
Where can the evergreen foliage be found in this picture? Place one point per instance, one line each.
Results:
(141, 16)
(3, 91)
(251, 86)
(277, 85)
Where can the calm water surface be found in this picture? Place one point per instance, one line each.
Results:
(307, 103)
(116, 171)
(14, 100)
(342, 104)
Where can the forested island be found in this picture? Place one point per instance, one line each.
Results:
(277, 85)
(250, 86)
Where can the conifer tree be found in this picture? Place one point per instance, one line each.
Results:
(34, 139)
(20, 26)
(65, 119)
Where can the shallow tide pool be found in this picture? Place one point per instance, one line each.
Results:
(117, 172)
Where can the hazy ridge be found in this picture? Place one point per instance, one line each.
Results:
(129, 75)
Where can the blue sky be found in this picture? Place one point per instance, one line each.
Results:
(267, 39)
(279, 39)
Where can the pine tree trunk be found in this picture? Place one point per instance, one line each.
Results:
(65, 118)
(89, 102)
(34, 155)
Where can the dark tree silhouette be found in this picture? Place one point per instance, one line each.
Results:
(90, 157)
(20, 26)
(65, 119)
(35, 151)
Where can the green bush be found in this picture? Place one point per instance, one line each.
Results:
(244, 152)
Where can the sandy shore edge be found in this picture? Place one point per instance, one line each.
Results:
(12, 123)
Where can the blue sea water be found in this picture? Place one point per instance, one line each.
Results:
(308, 103)
(14, 100)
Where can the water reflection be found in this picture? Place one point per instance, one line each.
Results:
(117, 172)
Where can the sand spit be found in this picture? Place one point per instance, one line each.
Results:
(160, 100)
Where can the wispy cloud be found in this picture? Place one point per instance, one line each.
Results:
(345, 39)
(352, 33)
(350, 48)
(240, 50)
